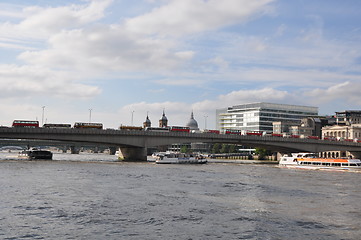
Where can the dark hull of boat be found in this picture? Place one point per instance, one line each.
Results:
(39, 154)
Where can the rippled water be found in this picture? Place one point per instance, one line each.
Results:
(93, 197)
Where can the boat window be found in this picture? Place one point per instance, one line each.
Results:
(345, 164)
(353, 164)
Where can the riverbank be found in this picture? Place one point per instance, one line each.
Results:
(239, 161)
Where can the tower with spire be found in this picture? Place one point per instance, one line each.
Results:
(147, 122)
(163, 122)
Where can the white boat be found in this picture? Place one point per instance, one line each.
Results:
(178, 158)
(311, 161)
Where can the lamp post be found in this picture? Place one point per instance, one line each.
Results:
(205, 121)
(42, 117)
(132, 117)
(90, 115)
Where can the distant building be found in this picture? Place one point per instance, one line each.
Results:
(260, 116)
(147, 122)
(347, 127)
(348, 117)
(310, 126)
(192, 123)
(342, 131)
(163, 122)
(281, 127)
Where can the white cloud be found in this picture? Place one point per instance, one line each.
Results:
(108, 49)
(245, 96)
(192, 16)
(39, 23)
(26, 81)
(102, 48)
(345, 91)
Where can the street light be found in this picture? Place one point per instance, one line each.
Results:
(90, 115)
(42, 117)
(205, 121)
(132, 117)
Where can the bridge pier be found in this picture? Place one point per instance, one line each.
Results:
(279, 155)
(356, 154)
(133, 154)
(112, 150)
(74, 150)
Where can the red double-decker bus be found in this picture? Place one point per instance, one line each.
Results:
(179, 129)
(212, 131)
(25, 123)
(254, 133)
(231, 131)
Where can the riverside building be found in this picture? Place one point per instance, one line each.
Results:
(260, 116)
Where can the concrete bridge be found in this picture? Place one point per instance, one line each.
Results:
(74, 147)
(133, 144)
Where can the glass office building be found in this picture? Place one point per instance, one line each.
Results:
(260, 116)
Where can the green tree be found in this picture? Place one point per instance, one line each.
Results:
(233, 148)
(225, 148)
(262, 153)
(184, 149)
(216, 148)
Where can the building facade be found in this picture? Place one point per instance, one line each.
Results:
(348, 117)
(260, 116)
(342, 132)
(310, 126)
(346, 128)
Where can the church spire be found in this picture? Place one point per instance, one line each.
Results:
(163, 122)
(147, 122)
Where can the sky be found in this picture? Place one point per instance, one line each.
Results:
(115, 61)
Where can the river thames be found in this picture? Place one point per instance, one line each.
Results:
(91, 196)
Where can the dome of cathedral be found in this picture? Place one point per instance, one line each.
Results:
(192, 123)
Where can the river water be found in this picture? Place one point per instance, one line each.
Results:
(93, 197)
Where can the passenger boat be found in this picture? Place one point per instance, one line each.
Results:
(178, 158)
(33, 154)
(311, 161)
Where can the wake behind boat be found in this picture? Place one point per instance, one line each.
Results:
(178, 158)
(311, 161)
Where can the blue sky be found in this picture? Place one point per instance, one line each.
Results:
(121, 56)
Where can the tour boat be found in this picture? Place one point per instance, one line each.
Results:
(311, 161)
(33, 154)
(179, 158)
